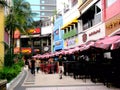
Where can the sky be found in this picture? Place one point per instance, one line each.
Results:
(34, 8)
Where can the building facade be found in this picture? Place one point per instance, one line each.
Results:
(47, 9)
(93, 26)
(111, 16)
(70, 24)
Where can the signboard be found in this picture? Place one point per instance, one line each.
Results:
(112, 24)
(34, 31)
(26, 50)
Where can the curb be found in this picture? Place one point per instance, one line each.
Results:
(11, 85)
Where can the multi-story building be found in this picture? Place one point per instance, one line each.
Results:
(70, 24)
(44, 8)
(40, 42)
(93, 26)
(47, 9)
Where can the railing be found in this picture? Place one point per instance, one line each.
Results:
(70, 34)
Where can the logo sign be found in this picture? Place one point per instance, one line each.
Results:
(46, 48)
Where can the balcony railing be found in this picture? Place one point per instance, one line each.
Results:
(70, 34)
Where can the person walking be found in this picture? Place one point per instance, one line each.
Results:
(60, 66)
(33, 66)
(37, 65)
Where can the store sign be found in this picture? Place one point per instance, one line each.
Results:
(94, 32)
(36, 50)
(71, 42)
(34, 31)
(46, 48)
(112, 24)
(26, 50)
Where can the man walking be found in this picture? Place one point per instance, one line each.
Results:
(33, 66)
(60, 66)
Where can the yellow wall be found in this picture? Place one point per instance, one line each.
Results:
(1, 36)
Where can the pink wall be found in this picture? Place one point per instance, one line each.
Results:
(110, 11)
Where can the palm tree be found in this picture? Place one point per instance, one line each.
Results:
(3, 3)
(20, 18)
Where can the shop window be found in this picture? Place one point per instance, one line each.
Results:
(110, 2)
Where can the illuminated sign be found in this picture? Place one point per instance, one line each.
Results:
(26, 50)
(34, 31)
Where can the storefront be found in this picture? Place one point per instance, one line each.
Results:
(94, 33)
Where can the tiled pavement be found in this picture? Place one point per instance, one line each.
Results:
(42, 81)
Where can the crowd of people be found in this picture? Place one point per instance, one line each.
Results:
(49, 66)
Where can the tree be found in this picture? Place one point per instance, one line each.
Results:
(20, 18)
(3, 3)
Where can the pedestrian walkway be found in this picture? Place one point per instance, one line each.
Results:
(42, 81)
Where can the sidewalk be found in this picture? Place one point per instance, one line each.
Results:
(42, 81)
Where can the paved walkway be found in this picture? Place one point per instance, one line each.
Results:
(42, 81)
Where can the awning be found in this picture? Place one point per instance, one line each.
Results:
(106, 42)
(69, 23)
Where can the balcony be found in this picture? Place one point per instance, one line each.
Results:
(70, 34)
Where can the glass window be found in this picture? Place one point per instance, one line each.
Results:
(43, 13)
(110, 2)
(98, 7)
(43, 2)
(43, 7)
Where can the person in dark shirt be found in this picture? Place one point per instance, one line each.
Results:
(33, 66)
(60, 65)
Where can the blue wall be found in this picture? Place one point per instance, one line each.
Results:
(58, 34)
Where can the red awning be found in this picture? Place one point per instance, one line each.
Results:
(105, 43)
(115, 45)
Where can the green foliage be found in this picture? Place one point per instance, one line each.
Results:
(70, 34)
(11, 72)
(8, 58)
(21, 63)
